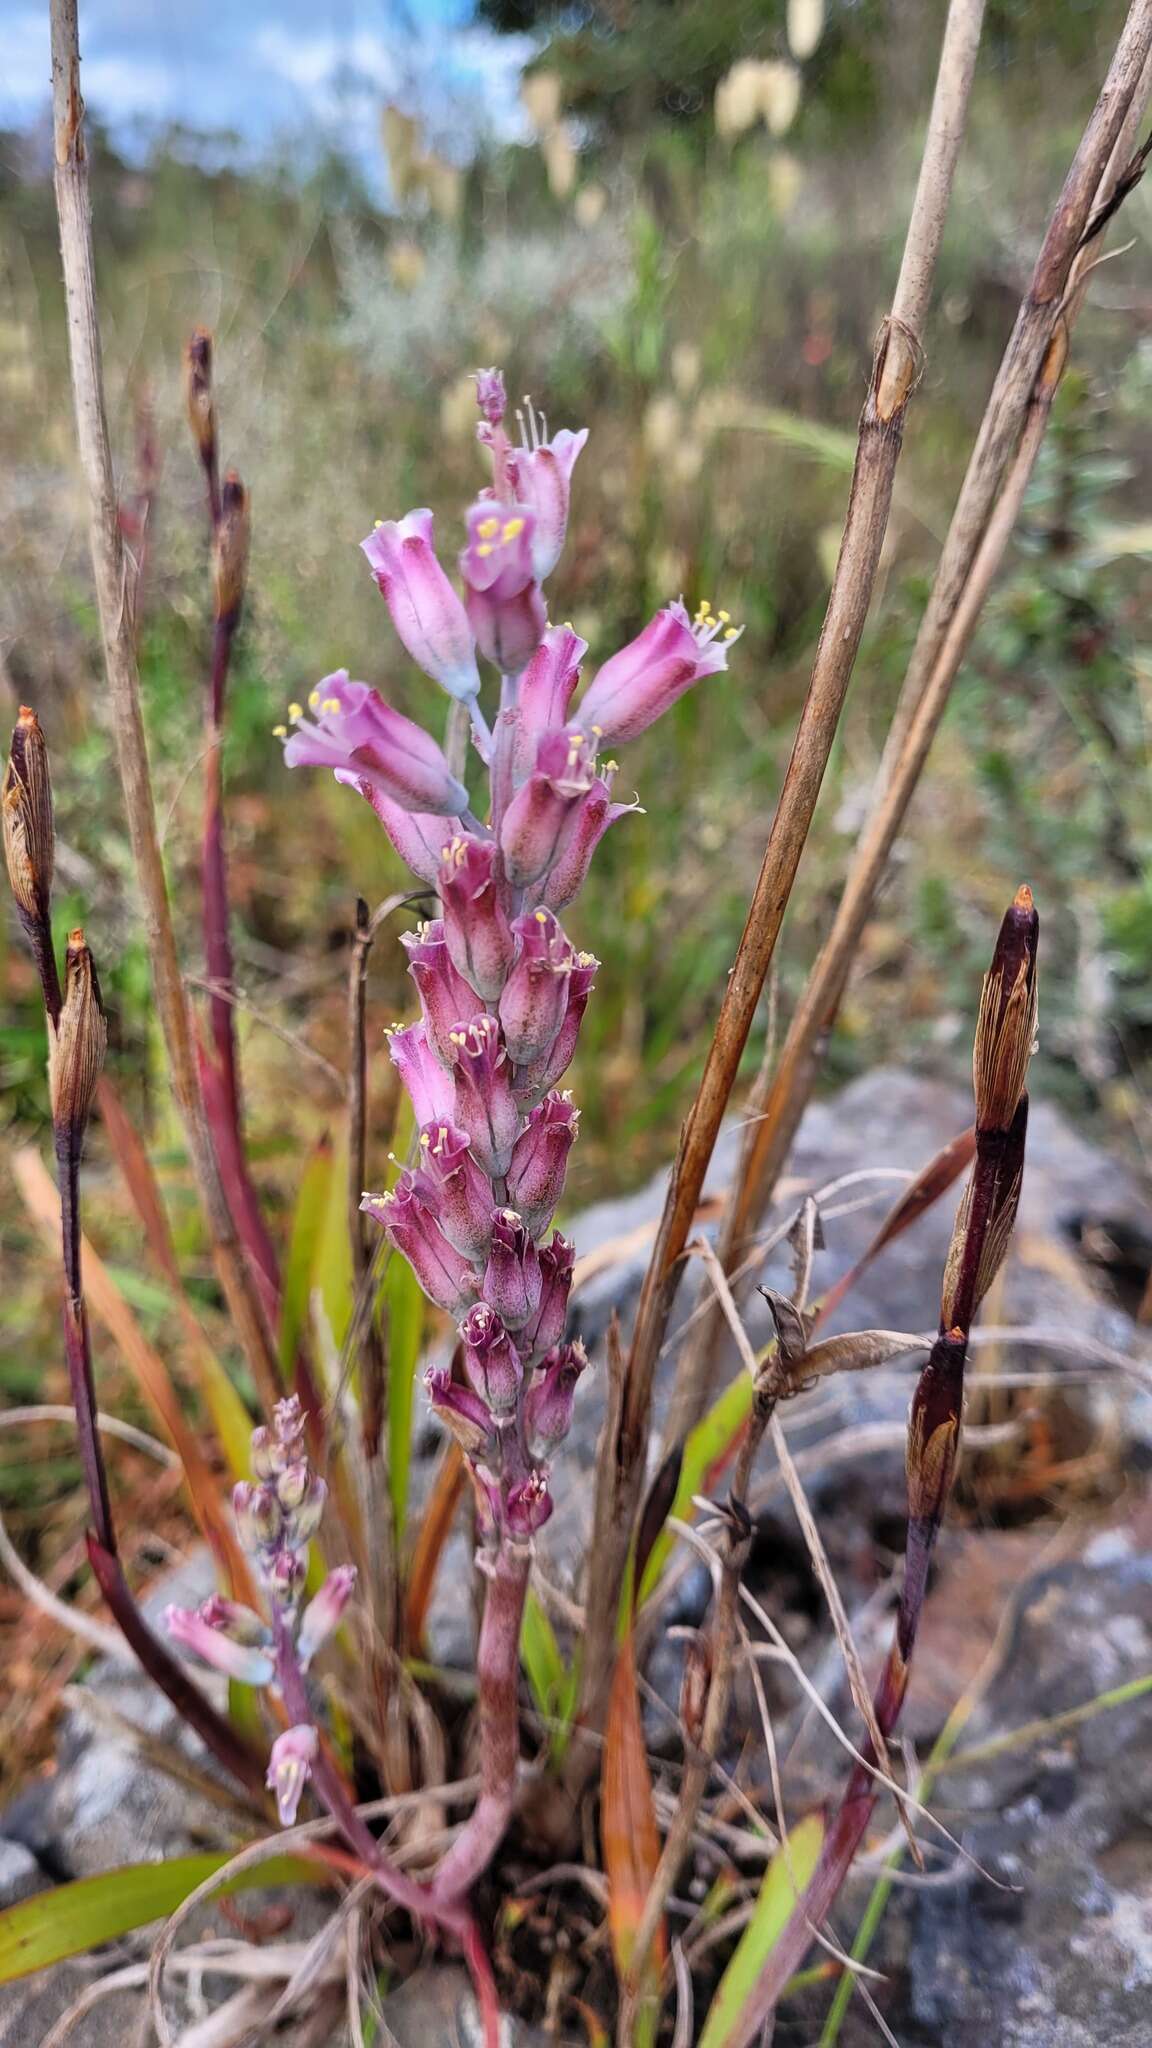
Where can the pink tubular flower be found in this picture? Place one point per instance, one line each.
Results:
(290, 1767)
(418, 836)
(546, 1327)
(457, 1192)
(429, 1087)
(635, 686)
(460, 1410)
(512, 1280)
(536, 992)
(246, 1662)
(533, 827)
(476, 928)
(533, 1082)
(540, 1160)
(409, 1224)
(446, 999)
(485, 1105)
(259, 1516)
(323, 1614)
(426, 611)
(529, 1504)
(357, 732)
(549, 1401)
(491, 1361)
(504, 605)
(546, 689)
(590, 820)
(541, 475)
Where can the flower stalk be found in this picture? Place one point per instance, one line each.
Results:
(502, 992)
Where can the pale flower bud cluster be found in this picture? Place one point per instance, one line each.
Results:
(278, 1512)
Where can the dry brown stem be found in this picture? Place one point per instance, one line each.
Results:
(895, 371)
(115, 604)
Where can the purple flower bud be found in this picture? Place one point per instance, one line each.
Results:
(288, 1425)
(262, 1453)
(418, 836)
(234, 1620)
(541, 476)
(491, 396)
(504, 605)
(446, 998)
(490, 1359)
(284, 1574)
(535, 996)
(546, 1327)
(246, 1662)
(426, 611)
(429, 1087)
(289, 1769)
(358, 733)
(529, 1504)
(292, 1485)
(546, 688)
(258, 1515)
(533, 826)
(540, 1160)
(476, 928)
(549, 1400)
(533, 1082)
(633, 688)
(485, 1105)
(408, 1223)
(508, 630)
(307, 1517)
(321, 1617)
(512, 1280)
(455, 1189)
(585, 829)
(460, 1410)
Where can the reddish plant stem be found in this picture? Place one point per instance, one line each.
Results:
(497, 1673)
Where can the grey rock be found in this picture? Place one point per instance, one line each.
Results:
(20, 1874)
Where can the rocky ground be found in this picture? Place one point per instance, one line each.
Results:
(1039, 1931)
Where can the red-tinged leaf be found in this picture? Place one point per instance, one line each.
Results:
(439, 1515)
(629, 1836)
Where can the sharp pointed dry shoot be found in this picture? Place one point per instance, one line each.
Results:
(1005, 1034)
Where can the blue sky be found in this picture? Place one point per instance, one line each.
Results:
(271, 69)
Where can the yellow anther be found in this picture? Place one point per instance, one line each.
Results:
(279, 732)
(513, 528)
(295, 711)
(425, 1141)
(541, 917)
(723, 617)
(314, 699)
(488, 529)
(568, 626)
(330, 704)
(597, 732)
(733, 633)
(377, 524)
(610, 767)
(485, 548)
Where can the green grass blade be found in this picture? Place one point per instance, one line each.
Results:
(77, 1917)
(552, 1681)
(770, 1915)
